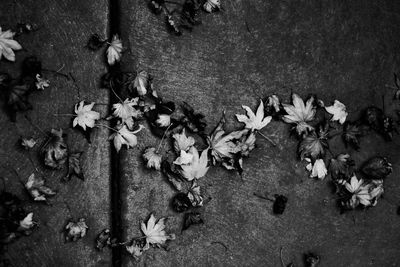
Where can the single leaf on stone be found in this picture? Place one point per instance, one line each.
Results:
(114, 50)
(155, 232)
(55, 150)
(153, 158)
(28, 143)
(192, 218)
(75, 230)
(254, 121)
(103, 239)
(377, 168)
(37, 189)
(74, 166)
(85, 116)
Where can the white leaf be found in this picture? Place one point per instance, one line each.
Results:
(338, 110)
(154, 232)
(114, 50)
(86, 117)
(198, 167)
(7, 45)
(125, 137)
(254, 121)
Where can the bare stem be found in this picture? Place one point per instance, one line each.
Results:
(105, 126)
(112, 90)
(267, 138)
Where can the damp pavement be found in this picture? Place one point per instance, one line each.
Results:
(334, 49)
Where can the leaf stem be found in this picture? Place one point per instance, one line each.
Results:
(267, 138)
(112, 90)
(105, 126)
(58, 73)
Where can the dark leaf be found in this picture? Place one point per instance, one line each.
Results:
(190, 12)
(31, 66)
(74, 166)
(342, 165)
(377, 168)
(5, 80)
(351, 134)
(181, 202)
(173, 176)
(55, 151)
(95, 42)
(156, 6)
(311, 260)
(193, 121)
(26, 28)
(314, 144)
(75, 230)
(279, 204)
(103, 239)
(191, 218)
(17, 99)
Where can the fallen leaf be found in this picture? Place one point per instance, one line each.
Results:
(184, 158)
(198, 167)
(318, 169)
(136, 247)
(103, 239)
(114, 50)
(377, 168)
(125, 137)
(195, 122)
(28, 143)
(86, 117)
(299, 113)
(351, 135)
(341, 166)
(41, 83)
(254, 121)
(195, 196)
(55, 151)
(155, 233)
(338, 110)
(142, 83)
(182, 142)
(313, 145)
(163, 120)
(181, 202)
(37, 189)
(212, 5)
(173, 175)
(74, 166)
(191, 218)
(126, 110)
(279, 205)
(153, 158)
(7, 45)
(75, 230)
(27, 222)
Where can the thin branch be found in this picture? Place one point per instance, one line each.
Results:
(267, 138)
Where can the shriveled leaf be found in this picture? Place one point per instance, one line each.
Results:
(7, 45)
(155, 233)
(192, 218)
(195, 196)
(37, 189)
(377, 168)
(181, 202)
(195, 122)
(27, 222)
(103, 239)
(173, 175)
(255, 121)
(55, 151)
(75, 230)
(41, 83)
(74, 166)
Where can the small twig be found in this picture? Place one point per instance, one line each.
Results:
(220, 243)
(57, 73)
(267, 138)
(263, 197)
(112, 90)
(281, 257)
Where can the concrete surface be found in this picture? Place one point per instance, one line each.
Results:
(345, 50)
(64, 29)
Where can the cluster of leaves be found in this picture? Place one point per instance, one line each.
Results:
(14, 220)
(183, 16)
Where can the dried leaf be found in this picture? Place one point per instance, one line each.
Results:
(55, 151)
(181, 202)
(142, 83)
(311, 260)
(153, 158)
(127, 110)
(27, 222)
(351, 135)
(103, 239)
(74, 166)
(28, 143)
(313, 145)
(155, 233)
(191, 218)
(198, 167)
(318, 169)
(341, 166)
(338, 110)
(125, 137)
(114, 50)
(299, 113)
(85, 115)
(37, 189)
(7, 45)
(377, 168)
(212, 6)
(279, 204)
(254, 121)
(195, 122)
(173, 176)
(195, 196)
(41, 83)
(75, 230)
(182, 142)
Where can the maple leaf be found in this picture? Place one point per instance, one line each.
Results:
(154, 232)
(114, 50)
(28, 143)
(184, 158)
(195, 196)
(198, 167)
(351, 134)
(125, 137)
(360, 192)
(153, 158)
(341, 165)
(142, 83)
(126, 110)
(299, 113)
(85, 115)
(338, 110)
(254, 121)
(55, 150)
(182, 141)
(224, 145)
(37, 189)
(7, 45)
(74, 166)
(313, 146)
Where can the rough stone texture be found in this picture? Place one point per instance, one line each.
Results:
(64, 30)
(335, 49)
